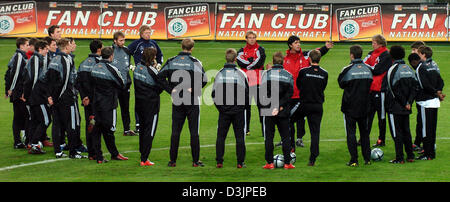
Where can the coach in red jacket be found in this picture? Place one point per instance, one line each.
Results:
(380, 61)
(251, 60)
(295, 60)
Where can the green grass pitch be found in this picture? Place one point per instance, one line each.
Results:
(19, 166)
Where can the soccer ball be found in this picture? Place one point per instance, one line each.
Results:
(293, 157)
(278, 161)
(377, 154)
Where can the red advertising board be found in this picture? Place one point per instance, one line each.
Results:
(227, 21)
(273, 22)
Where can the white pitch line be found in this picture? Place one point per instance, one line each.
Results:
(163, 148)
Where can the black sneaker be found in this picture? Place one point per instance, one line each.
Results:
(77, 156)
(279, 144)
(368, 163)
(82, 148)
(299, 142)
(198, 164)
(397, 161)
(60, 155)
(424, 158)
(172, 164)
(352, 164)
(129, 133)
(36, 149)
(241, 165)
(416, 148)
(380, 143)
(19, 146)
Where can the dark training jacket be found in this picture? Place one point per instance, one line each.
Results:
(106, 81)
(84, 79)
(311, 82)
(176, 70)
(60, 79)
(147, 87)
(430, 80)
(36, 66)
(230, 79)
(356, 80)
(401, 86)
(276, 81)
(14, 75)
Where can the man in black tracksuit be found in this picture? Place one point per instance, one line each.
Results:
(230, 93)
(147, 91)
(84, 85)
(400, 86)
(428, 100)
(121, 60)
(39, 112)
(60, 80)
(356, 79)
(106, 82)
(277, 87)
(311, 82)
(14, 89)
(183, 77)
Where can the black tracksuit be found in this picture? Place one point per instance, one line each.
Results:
(400, 86)
(356, 79)
(39, 112)
(430, 81)
(106, 82)
(60, 81)
(121, 60)
(14, 81)
(311, 82)
(181, 73)
(84, 86)
(277, 87)
(147, 90)
(377, 97)
(230, 95)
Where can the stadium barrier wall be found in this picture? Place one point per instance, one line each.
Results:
(228, 21)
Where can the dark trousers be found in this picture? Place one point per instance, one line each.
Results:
(419, 136)
(253, 95)
(377, 106)
(313, 113)
(65, 119)
(105, 124)
(179, 115)
(239, 122)
(399, 127)
(124, 101)
(20, 119)
(350, 130)
(428, 123)
(149, 122)
(88, 111)
(282, 123)
(40, 120)
(300, 126)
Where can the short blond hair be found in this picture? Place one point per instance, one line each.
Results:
(143, 28)
(250, 33)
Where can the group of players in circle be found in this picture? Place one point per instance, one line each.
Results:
(43, 84)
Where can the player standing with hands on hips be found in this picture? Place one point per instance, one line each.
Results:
(230, 94)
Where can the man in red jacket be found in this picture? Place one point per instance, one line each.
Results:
(380, 61)
(295, 60)
(251, 60)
